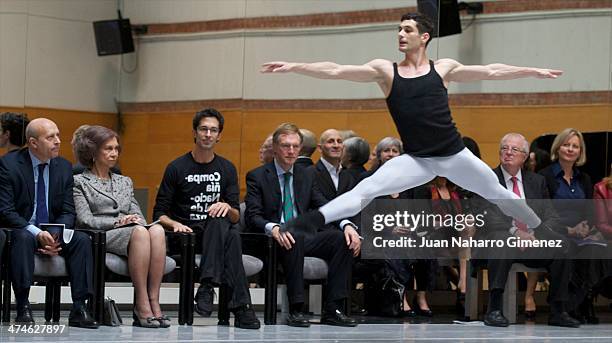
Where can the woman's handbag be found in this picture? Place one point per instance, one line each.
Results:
(111, 313)
(386, 297)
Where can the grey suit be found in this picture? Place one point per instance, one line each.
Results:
(99, 203)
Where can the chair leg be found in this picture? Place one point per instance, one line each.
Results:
(57, 287)
(223, 313)
(48, 301)
(315, 299)
(270, 304)
(190, 279)
(471, 294)
(510, 298)
(186, 287)
(99, 275)
(6, 304)
(282, 298)
(5, 278)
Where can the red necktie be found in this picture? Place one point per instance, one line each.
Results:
(515, 188)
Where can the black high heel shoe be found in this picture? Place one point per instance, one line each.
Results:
(149, 322)
(460, 304)
(408, 314)
(530, 316)
(419, 311)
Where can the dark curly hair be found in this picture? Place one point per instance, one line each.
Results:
(15, 123)
(208, 112)
(90, 141)
(423, 23)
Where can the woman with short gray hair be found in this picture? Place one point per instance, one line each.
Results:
(105, 201)
(356, 154)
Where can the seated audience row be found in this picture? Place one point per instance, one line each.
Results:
(199, 193)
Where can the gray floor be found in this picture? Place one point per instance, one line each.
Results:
(205, 330)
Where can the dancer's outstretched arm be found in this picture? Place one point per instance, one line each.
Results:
(457, 72)
(372, 71)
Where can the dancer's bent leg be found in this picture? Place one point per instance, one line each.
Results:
(396, 175)
(469, 172)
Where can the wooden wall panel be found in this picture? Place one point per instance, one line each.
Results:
(152, 139)
(67, 121)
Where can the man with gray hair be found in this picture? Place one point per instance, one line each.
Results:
(309, 145)
(513, 152)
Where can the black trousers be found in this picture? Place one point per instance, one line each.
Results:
(422, 270)
(77, 253)
(329, 245)
(558, 267)
(221, 263)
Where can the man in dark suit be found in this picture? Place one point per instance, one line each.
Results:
(331, 178)
(36, 188)
(514, 151)
(309, 145)
(276, 193)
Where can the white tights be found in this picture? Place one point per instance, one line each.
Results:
(405, 172)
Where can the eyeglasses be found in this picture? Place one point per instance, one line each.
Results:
(513, 150)
(212, 130)
(289, 146)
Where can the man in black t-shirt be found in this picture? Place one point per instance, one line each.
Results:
(199, 193)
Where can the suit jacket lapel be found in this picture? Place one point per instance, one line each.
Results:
(274, 187)
(91, 179)
(343, 181)
(527, 182)
(528, 186)
(500, 176)
(52, 182)
(28, 173)
(328, 183)
(298, 192)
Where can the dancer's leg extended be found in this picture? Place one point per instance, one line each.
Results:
(469, 172)
(396, 175)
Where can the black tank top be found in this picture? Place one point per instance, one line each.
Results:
(419, 107)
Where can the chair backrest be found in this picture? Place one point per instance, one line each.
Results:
(142, 196)
(242, 222)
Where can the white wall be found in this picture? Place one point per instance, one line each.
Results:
(48, 55)
(176, 11)
(210, 65)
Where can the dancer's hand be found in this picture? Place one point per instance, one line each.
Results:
(353, 241)
(283, 238)
(547, 73)
(276, 67)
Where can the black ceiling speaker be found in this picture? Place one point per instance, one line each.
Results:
(113, 36)
(444, 14)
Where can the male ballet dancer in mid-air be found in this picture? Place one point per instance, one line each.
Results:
(416, 94)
